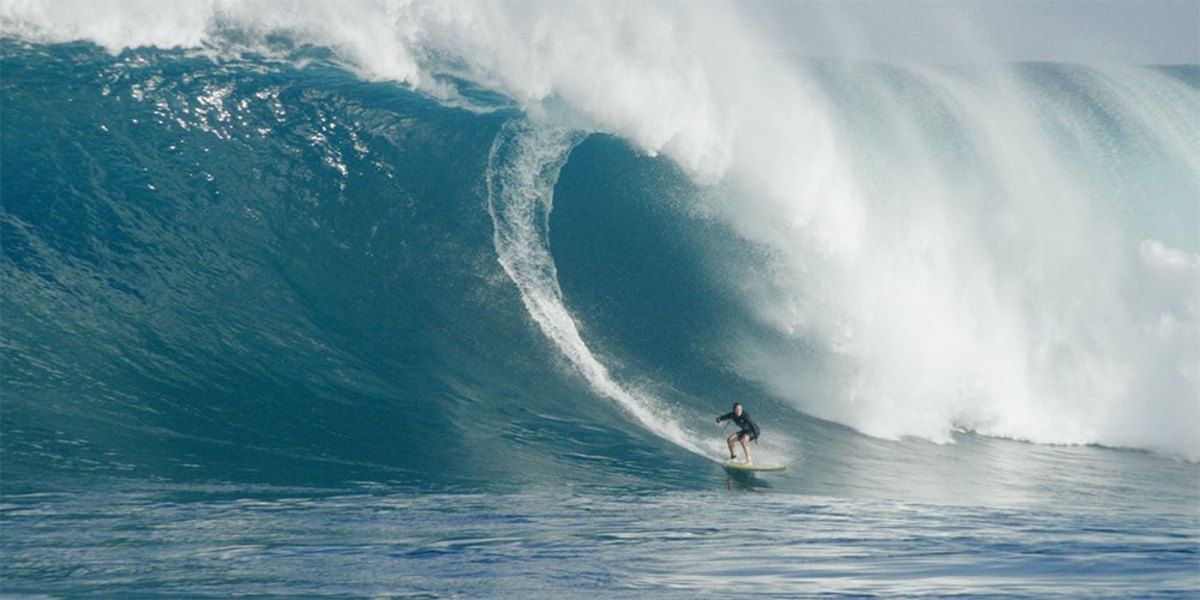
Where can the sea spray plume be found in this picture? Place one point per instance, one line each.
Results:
(115, 26)
(1168, 369)
(997, 287)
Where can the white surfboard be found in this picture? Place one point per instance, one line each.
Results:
(740, 466)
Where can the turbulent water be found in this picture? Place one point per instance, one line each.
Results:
(443, 299)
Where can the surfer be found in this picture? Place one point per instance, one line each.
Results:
(747, 430)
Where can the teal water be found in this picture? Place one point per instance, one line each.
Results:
(274, 327)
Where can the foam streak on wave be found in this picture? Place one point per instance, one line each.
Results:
(523, 167)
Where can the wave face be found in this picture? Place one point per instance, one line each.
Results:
(413, 240)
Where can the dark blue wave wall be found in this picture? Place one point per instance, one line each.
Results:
(253, 271)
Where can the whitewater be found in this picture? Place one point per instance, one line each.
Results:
(442, 298)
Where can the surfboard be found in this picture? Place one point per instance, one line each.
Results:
(737, 466)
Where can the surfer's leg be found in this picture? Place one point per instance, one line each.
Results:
(745, 449)
(729, 440)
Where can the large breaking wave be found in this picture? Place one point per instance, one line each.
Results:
(907, 250)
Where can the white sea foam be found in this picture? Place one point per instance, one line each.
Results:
(950, 250)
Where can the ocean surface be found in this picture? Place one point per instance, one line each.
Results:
(443, 300)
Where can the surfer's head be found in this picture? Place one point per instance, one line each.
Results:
(737, 408)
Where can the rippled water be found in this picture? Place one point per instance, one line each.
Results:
(291, 542)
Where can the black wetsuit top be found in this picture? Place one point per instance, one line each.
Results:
(743, 422)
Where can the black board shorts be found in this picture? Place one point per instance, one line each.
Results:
(752, 435)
